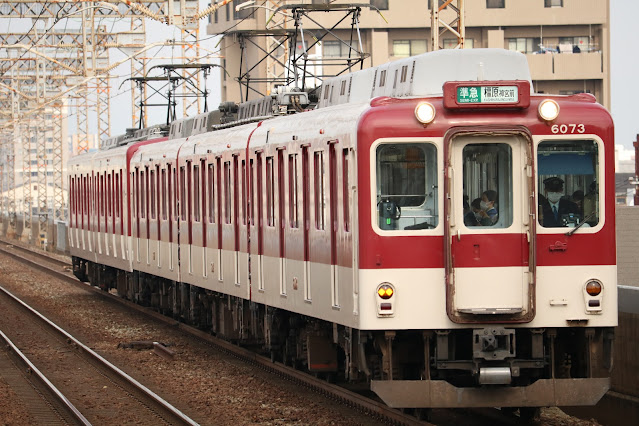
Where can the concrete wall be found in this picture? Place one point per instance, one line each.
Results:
(628, 245)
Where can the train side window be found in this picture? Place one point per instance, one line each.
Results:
(567, 183)
(211, 193)
(196, 193)
(152, 194)
(102, 195)
(345, 191)
(144, 190)
(183, 193)
(227, 192)
(292, 191)
(163, 193)
(86, 207)
(112, 193)
(280, 189)
(406, 186)
(319, 188)
(488, 171)
(120, 193)
(270, 184)
(116, 198)
(236, 190)
(136, 196)
(243, 192)
(169, 184)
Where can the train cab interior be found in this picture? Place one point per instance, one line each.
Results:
(567, 183)
(406, 186)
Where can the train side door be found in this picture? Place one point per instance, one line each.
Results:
(489, 249)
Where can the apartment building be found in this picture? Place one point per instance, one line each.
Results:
(566, 42)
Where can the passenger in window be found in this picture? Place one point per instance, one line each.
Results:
(578, 198)
(474, 217)
(590, 204)
(557, 211)
(488, 211)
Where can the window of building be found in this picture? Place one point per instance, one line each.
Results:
(243, 13)
(495, 4)
(574, 44)
(524, 44)
(451, 43)
(406, 48)
(441, 2)
(553, 3)
(380, 4)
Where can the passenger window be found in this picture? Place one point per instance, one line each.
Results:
(406, 186)
(196, 193)
(488, 187)
(567, 183)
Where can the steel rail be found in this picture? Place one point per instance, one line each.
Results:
(362, 403)
(101, 360)
(43, 379)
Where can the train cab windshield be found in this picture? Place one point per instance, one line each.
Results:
(567, 183)
(406, 186)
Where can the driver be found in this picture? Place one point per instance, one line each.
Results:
(555, 206)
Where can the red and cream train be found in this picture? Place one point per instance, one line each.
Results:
(336, 238)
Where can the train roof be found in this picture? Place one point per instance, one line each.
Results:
(425, 75)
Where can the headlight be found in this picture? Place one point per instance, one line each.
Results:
(548, 110)
(425, 112)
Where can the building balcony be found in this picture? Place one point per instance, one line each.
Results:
(567, 66)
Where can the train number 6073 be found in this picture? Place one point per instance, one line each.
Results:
(568, 128)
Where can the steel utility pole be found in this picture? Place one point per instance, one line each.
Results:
(447, 16)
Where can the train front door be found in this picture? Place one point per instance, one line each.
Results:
(490, 227)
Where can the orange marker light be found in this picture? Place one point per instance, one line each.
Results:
(593, 287)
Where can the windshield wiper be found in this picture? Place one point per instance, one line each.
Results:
(573, 230)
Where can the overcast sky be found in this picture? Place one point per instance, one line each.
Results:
(624, 70)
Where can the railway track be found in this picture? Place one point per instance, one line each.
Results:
(77, 375)
(370, 407)
(42, 398)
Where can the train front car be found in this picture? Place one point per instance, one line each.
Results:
(486, 241)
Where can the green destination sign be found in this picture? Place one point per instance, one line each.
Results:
(487, 94)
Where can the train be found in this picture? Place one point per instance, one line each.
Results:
(430, 229)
